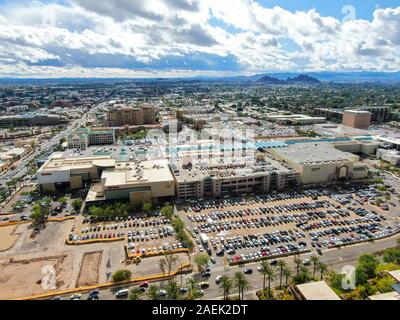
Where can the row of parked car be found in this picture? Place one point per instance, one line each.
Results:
(286, 208)
(232, 202)
(299, 219)
(154, 250)
(129, 223)
(268, 253)
(140, 235)
(358, 233)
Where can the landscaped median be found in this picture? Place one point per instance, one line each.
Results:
(187, 268)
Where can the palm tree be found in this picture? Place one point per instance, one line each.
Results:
(152, 292)
(271, 276)
(172, 290)
(241, 283)
(297, 262)
(322, 268)
(193, 287)
(264, 269)
(287, 273)
(226, 285)
(281, 265)
(135, 294)
(314, 259)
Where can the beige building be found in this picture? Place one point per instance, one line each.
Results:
(137, 181)
(216, 177)
(315, 291)
(59, 173)
(321, 163)
(122, 115)
(357, 119)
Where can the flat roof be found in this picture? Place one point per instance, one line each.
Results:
(395, 274)
(308, 153)
(317, 291)
(227, 167)
(137, 172)
(358, 111)
(58, 163)
(390, 140)
(386, 296)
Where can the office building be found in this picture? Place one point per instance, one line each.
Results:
(357, 119)
(83, 137)
(126, 115)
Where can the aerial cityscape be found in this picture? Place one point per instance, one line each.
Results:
(199, 150)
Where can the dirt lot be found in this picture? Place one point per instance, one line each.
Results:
(89, 274)
(20, 278)
(7, 237)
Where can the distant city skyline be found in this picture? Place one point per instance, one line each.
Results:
(180, 38)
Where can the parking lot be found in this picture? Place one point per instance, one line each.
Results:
(143, 235)
(268, 226)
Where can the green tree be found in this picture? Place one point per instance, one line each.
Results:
(63, 201)
(147, 207)
(167, 211)
(323, 268)
(152, 292)
(264, 270)
(135, 294)
(40, 213)
(392, 255)
(281, 265)
(121, 275)
(225, 285)
(172, 290)
(366, 267)
(297, 262)
(77, 204)
(241, 283)
(194, 291)
(314, 260)
(287, 273)
(201, 259)
(304, 276)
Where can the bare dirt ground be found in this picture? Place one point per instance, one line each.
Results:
(19, 278)
(8, 237)
(89, 273)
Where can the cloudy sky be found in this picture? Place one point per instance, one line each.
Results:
(154, 38)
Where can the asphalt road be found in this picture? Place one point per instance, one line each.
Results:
(335, 259)
(21, 167)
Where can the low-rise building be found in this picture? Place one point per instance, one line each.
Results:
(137, 181)
(83, 137)
(28, 120)
(295, 119)
(391, 156)
(321, 163)
(315, 291)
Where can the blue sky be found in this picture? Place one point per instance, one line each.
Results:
(193, 37)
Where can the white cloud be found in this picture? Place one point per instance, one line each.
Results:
(133, 33)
